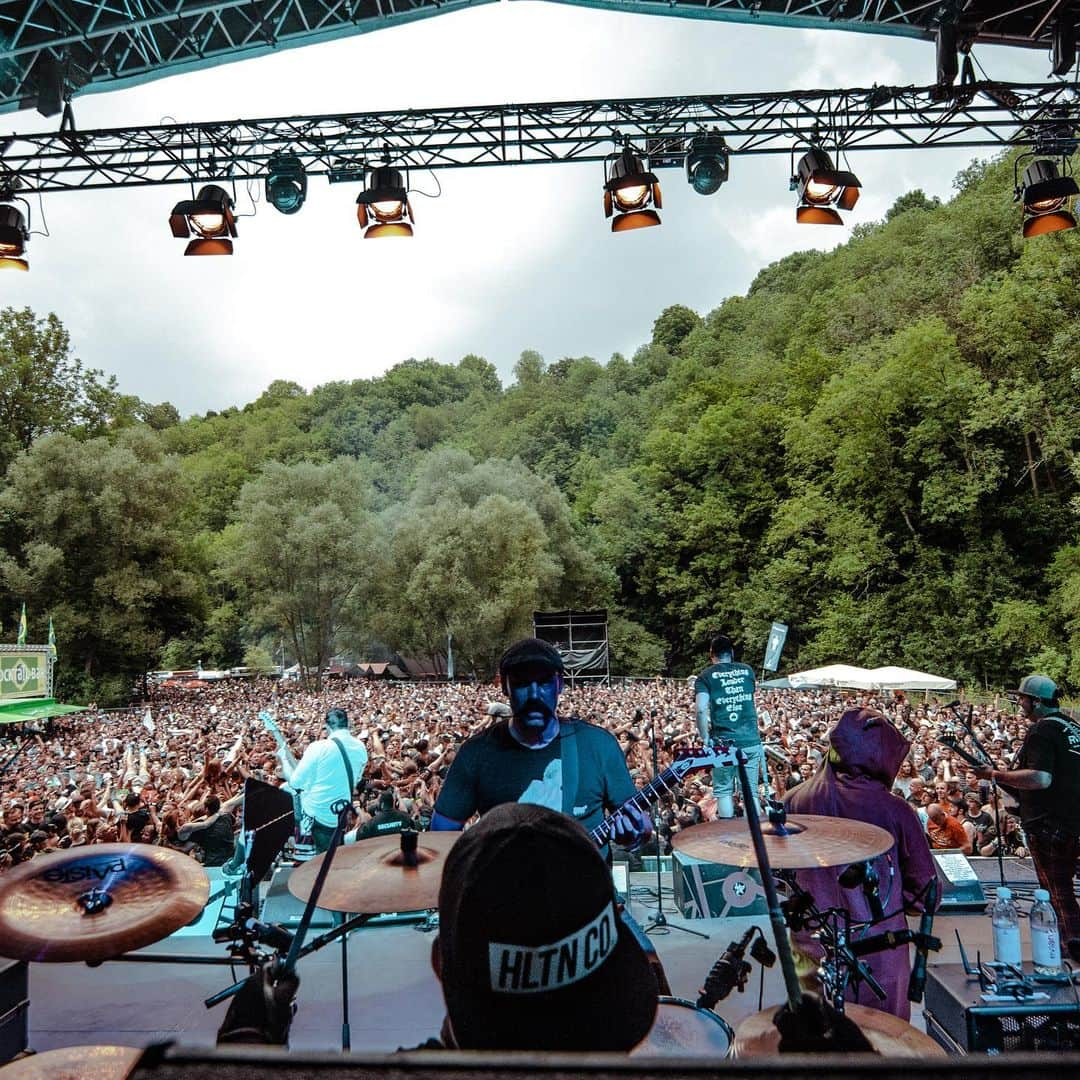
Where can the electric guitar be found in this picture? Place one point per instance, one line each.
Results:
(953, 744)
(283, 747)
(304, 821)
(685, 763)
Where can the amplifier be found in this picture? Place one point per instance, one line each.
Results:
(14, 1006)
(958, 1018)
(706, 890)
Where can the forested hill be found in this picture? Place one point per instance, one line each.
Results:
(874, 445)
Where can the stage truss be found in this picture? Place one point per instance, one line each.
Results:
(340, 147)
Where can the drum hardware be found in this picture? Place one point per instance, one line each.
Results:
(730, 972)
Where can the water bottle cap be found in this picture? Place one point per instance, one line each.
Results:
(1004, 893)
(1042, 896)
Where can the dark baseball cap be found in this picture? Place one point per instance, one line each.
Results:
(534, 955)
(530, 651)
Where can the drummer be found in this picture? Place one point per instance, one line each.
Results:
(856, 783)
(531, 952)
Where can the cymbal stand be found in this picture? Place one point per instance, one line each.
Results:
(658, 922)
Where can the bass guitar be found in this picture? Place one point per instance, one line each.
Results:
(685, 763)
(288, 758)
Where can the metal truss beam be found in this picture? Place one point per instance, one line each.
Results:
(341, 147)
(98, 45)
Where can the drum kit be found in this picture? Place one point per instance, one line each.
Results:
(102, 902)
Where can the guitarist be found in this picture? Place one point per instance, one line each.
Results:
(536, 756)
(328, 772)
(1046, 781)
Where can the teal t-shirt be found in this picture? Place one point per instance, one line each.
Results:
(732, 716)
(493, 768)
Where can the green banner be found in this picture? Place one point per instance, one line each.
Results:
(23, 675)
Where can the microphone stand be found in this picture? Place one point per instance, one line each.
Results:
(658, 922)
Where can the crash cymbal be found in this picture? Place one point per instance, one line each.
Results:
(809, 840)
(890, 1036)
(371, 876)
(75, 1063)
(95, 902)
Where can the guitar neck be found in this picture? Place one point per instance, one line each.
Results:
(642, 800)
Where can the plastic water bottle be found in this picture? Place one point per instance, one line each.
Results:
(1045, 940)
(1006, 920)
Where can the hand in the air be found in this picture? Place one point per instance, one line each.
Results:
(631, 827)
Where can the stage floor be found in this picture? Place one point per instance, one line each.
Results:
(394, 999)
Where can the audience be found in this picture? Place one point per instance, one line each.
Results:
(148, 773)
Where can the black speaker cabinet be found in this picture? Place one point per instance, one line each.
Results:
(958, 1018)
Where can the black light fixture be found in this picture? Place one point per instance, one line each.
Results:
(1046, 196)
(210, 217)
(708, 163)
(1063, 46)
(631, 190)
(385, 203)
(822, 189)
(14, 235)
(286, 186)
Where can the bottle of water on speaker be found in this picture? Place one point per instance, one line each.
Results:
(1045, 940)
(1006, 919)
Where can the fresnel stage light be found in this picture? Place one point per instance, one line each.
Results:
(210, 217)
(386, 200)
(14, 236)
(822, 189)
(632, 191)
(1047, 197)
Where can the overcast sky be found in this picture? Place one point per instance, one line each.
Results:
(506, 259)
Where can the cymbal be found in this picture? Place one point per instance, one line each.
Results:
(370, 876)
(890, 1036)
(75, 1063)
(95, 902)
(813, 840)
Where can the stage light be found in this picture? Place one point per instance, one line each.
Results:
(386, 199)
(822, 189)
(210, 217)
(707, 164)
(630, 189)
(286, 186)
(13, 239)
(1046, 196)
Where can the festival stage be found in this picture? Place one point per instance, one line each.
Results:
(394, 998)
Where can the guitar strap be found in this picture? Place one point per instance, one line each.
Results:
(348, 768)
(568, 752)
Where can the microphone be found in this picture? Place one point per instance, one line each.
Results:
(864, 874)
(890, 939)
(917, 982)
(727, 973)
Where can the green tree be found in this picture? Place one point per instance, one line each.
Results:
(301, 549)
(90, 538)
(43, 387)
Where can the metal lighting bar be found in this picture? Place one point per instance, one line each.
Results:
(50, 47)
(341, 147)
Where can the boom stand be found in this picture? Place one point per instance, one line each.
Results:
(658, 922)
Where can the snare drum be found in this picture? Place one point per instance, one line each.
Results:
(682, 1029)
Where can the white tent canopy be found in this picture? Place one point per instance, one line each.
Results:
(849, 677)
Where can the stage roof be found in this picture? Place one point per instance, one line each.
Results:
(102, 45)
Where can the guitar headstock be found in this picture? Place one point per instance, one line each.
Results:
(697, 758)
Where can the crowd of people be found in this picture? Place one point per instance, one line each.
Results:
(171, 770)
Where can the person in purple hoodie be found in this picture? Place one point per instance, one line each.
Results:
(856, 783)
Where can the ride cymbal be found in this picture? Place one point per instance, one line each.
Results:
(890, 1036)
(95, 902)
(803, 842)
(372, 877)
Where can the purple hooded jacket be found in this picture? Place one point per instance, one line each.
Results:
(856, 783)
